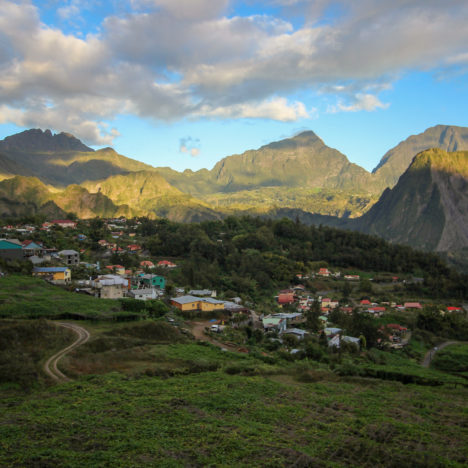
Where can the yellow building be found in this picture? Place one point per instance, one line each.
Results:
(189, 303)
(57, 275)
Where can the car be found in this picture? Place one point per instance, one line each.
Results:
(214, 328)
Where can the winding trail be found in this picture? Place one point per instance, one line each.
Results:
(430, 354)
(50, 367)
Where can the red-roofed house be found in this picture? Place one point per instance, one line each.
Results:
(365, 302)
(413, 305)
(454, 309)
(133, 248)
(65, 223)
(323, 272)
(166, 264)
(118, 269)
(147, 264)
(286, 298)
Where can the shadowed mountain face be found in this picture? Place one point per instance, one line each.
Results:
(37, 140)
(428, 208)
(396, 161)
(62, 159)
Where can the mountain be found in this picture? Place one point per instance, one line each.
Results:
(10, 168)
(62, 159)
(395, 162)
(148, 192)
(303, 161)
(428, 207)
(24, 196)
(36, 140)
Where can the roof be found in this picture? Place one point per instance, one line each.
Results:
(185, 299)
(200, 292)
(110, 280)
(142, 292)
(365, 302)
(296, 331)
(68, 252)
(272, 321)
(452, 309)
(63, 221)
(287, 297)
(210, 300)
(12, 243)
(291, 315)
(413, 305)
(331, 331)
(50, 269)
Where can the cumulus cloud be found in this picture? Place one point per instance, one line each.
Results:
(173, 59)
(360, 102)
(190, 146)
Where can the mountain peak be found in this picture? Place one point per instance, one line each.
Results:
(37, 140)
(305, 138)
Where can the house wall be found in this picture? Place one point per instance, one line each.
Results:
(186, 307)
(208, 307)
(111, 292)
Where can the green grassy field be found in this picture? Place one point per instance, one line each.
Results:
(25, 297)
(215, 419)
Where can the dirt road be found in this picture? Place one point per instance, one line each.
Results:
(50, 367)
(198, 331)
(430, 354)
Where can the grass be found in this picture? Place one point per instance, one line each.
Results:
(25, 297)
(216, 419)
(452, 359)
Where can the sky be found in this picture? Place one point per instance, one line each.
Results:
(184, 83)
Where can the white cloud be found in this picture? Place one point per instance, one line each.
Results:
(274, 109)
(360, 102)
(172, 59)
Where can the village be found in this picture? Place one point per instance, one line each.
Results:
(120, 268)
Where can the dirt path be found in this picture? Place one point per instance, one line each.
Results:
(198, 331)
(431, 353)
(50, 367)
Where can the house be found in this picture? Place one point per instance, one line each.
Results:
(109, 286)
(202, 292)
(118, 269)
(365, 303)
(337, 340)
(31, 248)
(143, 294)
(286, 298)
(454, 309)
(147, 264)
(64, 223)
(331, 332)
(293, 317)
(323, 272)
(297, 332)
(412, 305)
(352, 277)
(378, 311)
(190, 303)
(274, 324)
(132, 248)
(56, 275)
(166, 264)
(208, 304)
(347, 310)
(70, 257)
(153, 281)
(11, 249)
(186, 303)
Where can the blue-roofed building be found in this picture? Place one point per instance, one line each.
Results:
(56, 275)
(11, 249)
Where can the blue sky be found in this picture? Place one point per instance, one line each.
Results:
(183, 83)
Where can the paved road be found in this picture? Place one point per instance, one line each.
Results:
(431, 353)
(50, 367)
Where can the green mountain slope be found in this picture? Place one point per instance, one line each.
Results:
(62, 159)
(148, 192)
(395, 162)
(24, 196)
(428, 208)
(302, 161)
